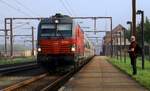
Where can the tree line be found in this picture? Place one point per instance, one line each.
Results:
(139, 32)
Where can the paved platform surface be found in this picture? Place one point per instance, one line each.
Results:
(100, 75)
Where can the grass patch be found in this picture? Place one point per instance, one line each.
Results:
(16, 60)
(143, 76)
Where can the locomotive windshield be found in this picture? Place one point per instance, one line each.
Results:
(47, 26)
(56, 30)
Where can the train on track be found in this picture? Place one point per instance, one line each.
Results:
(62, 44)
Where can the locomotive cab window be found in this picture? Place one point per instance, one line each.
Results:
(56, 30)
(47, 26)
(65, 29)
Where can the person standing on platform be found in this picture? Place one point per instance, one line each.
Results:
(133, 54)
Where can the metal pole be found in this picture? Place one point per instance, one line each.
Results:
(111, 37)
(110, 50)
(120, 47)
(142, 26)
(124, 45)
(104, 50)
(134, 17)
(113, 45)
(117, 46)
(131, 31)
(32, 41)
(95, 25)
(11, 38)
(149, 51)
(24, 48)
(5, 37)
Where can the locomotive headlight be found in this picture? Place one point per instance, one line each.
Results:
(73, 49)
(56, 21)
(39, 49)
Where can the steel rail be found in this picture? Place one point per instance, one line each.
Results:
(25, 82)
(62, 80)
(58, 82)
(13, 69)
(54, 86)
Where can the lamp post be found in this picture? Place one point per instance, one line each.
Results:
(130, 23)
(124, 44)
(120, 47)
(134, 17)
(117, 46)
(32, 41)
(142, 29)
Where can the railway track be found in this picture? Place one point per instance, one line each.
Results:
(55, 85)
(23, 83)
(15, 74)
(44, 82)
(13, 69)
(16, 64)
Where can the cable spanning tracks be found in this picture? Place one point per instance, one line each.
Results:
(44, 82)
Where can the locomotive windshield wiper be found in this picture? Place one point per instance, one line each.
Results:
(60, 34)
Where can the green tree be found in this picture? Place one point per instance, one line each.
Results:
(146, 32)
(139, 32)
(128, 34)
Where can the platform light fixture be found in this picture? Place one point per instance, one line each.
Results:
(130, 23)
(139, 12)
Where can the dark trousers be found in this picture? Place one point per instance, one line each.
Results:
(133, 63)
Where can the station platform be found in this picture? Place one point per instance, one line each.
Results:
(100, 75)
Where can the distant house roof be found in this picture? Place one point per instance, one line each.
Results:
(118, 28)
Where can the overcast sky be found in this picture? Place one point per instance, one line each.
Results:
(120, 10)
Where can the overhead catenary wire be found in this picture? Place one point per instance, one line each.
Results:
(106, 28)
(1, 21)
(1, 14)
(1, 18)
(25, 7)
(27, 23)
(72, 9)
(66, 8)
(16, 9)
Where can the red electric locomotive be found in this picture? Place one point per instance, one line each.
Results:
(61, 43)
